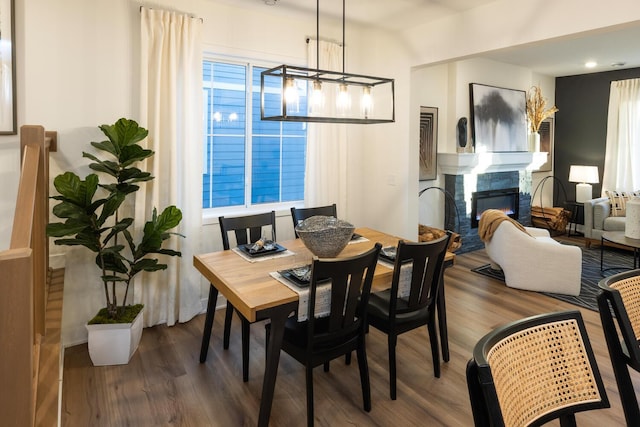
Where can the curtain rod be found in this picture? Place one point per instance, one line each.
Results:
(324, 39)
(190, 15)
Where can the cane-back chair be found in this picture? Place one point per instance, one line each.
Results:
(619, 304)
(535, 370)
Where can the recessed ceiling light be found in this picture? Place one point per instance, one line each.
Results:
(270, 2)
(618, 64)
(590, 64)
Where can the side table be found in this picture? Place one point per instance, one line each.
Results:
(577, 216)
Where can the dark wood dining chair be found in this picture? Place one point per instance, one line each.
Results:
(247, 229)
(619, 305)
(300, 214)
(535, 370)
(411, 301)
(318, 340)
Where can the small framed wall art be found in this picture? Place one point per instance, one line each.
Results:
(546, 143)
(428, 143)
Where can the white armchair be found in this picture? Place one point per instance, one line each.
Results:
(535, 262)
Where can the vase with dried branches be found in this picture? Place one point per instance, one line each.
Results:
(537, 112)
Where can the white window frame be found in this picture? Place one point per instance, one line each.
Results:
(210, 215)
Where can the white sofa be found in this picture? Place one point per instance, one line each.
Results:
(535, 261)
(598, 219)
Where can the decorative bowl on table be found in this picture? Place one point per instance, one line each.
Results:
(325, 236)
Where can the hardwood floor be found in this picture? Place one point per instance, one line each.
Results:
(164, 384)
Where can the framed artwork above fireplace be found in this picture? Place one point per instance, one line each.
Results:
(498, 119)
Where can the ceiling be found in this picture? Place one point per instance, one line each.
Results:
(612, 49)
(558, 57)
(388, 14)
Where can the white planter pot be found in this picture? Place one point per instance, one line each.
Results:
(114, 344)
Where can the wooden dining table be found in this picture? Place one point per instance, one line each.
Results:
(259, 296)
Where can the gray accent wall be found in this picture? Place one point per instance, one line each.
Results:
(581, 123)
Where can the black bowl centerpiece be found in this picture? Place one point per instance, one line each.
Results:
(325, 236)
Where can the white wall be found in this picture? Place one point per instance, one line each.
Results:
(78, 68)
(383, 180)
(9, 172)
(10, 149)
(79, 72)
(431, 88)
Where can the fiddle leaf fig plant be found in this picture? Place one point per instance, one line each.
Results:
(91, 210)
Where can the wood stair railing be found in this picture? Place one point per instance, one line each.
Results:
(24, 268)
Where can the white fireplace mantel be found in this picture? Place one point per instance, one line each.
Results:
(479, 163)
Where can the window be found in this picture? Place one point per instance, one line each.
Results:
(248, 161)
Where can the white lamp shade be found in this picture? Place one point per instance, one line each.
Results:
(584, 174)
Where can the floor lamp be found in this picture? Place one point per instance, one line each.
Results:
(584, 176)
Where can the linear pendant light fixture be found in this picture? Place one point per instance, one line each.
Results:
(295, 94)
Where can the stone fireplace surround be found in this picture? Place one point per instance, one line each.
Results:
(466, 173)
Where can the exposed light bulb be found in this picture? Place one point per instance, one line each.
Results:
(291, 94)
(317, 97)
(233, 117)
(217, 116)
(366, 101)
(343, 101)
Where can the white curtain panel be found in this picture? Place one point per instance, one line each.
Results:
(327, 164)
(621, 171)
(171, 109)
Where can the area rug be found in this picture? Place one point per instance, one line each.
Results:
(614, 261)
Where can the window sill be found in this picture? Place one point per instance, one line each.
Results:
(210, 216)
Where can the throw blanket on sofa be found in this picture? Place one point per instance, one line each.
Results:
(490, 220)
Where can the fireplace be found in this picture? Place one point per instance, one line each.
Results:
(507, 200)
(462, 185)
